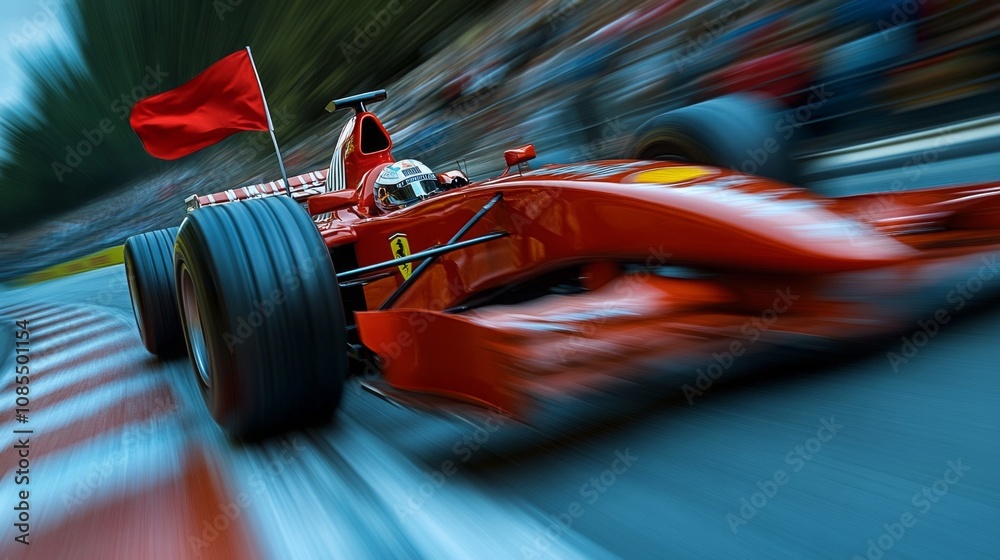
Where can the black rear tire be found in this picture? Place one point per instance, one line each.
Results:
(149, 268)
(741, 132)
(262, 316)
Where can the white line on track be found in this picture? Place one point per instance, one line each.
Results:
(81, 406)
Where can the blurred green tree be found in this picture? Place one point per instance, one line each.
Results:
(72, 141)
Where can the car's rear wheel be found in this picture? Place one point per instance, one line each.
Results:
(741, 132)
(262, 316)
(149, 268)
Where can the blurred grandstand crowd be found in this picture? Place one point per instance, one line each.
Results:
(575, 78)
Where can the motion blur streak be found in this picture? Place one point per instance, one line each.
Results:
(875, 96)
(111, 474)
(374, 484)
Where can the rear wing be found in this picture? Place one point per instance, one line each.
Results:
(303, 186)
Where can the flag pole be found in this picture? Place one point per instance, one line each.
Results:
(270, 126)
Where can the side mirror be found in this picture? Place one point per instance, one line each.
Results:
(518, 157)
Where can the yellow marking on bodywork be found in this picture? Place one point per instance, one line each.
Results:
(677, 174)
(400, 246)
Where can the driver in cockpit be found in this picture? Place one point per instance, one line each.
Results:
(406, 182)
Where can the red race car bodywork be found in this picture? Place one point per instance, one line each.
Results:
(674, 270)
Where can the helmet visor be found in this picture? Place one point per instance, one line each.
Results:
(410, 190)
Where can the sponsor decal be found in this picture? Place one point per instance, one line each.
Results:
(401, 248)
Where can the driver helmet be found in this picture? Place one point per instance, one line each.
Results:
(403, 183)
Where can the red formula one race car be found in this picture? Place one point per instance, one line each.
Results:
(539, 288)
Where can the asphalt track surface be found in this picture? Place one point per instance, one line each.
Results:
(821, 458)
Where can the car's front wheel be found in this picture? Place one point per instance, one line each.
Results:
(262, 316)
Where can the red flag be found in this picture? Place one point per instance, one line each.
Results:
(221, 101)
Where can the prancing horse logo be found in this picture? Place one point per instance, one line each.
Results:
(400, 249)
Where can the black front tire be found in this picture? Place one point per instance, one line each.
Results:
(149, 268)
(743, 132)
(262, 316)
